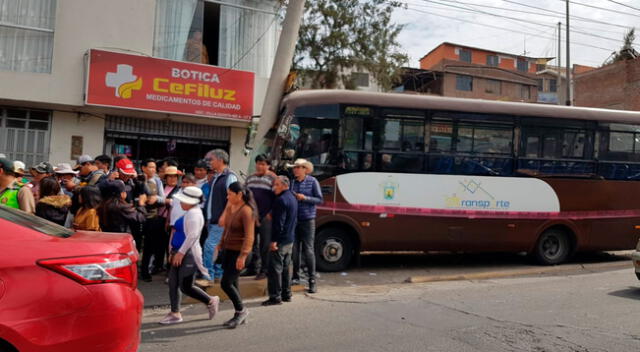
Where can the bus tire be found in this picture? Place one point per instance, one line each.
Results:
(334, 249)
(553, 247)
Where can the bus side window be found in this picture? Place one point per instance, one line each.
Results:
(441, 136)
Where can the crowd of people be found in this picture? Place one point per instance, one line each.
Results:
(206, 224)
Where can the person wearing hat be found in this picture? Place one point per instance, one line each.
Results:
(67, 178)
(309, 194)
(38, 172)
(18, 171)
(186, 255)
(11, 194)
(88, 171)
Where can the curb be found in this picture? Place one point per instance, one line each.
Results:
(248, 287)
(520, 272)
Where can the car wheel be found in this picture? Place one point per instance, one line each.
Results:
(334, 249)
(553, 247)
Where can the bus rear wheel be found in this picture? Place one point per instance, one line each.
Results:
(334, 249)
(553, 247)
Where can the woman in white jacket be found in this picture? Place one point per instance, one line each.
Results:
(186, 257)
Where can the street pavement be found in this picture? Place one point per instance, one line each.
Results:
(578, 311)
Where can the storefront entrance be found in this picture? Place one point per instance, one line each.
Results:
(140, 139)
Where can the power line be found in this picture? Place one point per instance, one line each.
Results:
(505, 29)
(601, 8)
(575, 17)
(625, 5)
(617, 40)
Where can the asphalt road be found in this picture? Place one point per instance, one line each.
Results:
(585, 312)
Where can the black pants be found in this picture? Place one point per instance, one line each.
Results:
(181, 279)
(279, 283)
(154, 244)
(260, 254)
(230, 275)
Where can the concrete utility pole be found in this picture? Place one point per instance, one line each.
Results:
(281, 68)
(568, 101)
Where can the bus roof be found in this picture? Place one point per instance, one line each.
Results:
(430, 102)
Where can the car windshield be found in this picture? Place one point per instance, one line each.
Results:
(33, 222)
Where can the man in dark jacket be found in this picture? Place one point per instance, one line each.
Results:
(284, 216)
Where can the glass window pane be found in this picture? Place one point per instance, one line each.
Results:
(549, 147)
(464, 83)
(465, 139)
(352, 133)
(621, 142)
(573, 145)
(391, 134)
(16, 123)
(440, 140)
(412, 136)
(496, 141)
(37, 125)
(531, 149)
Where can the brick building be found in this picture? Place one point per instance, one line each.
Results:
(467, 72)
(614, 86)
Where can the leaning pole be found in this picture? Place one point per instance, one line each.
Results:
(280, 70)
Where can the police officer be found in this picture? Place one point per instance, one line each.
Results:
(11, 194)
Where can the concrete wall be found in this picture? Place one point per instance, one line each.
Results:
(67, 124)
(80, 25)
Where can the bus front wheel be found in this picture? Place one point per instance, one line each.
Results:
(334, 249)
(553, 247)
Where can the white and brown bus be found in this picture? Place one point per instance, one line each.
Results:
(423, 173)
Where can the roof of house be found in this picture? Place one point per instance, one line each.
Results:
(482, 49)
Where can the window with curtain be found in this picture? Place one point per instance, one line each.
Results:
(26, 35)
(238, 34)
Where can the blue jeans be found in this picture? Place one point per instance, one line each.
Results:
(215, 235)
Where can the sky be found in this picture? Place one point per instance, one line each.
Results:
(474, 23)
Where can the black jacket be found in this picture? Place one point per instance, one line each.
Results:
(121, 217)
(54, 208)
(285, 215)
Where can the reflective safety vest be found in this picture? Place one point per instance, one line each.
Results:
(9, 198)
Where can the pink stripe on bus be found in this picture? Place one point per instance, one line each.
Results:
(479, 214)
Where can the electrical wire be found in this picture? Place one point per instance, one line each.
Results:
(601, 8)
(623, 4)
(505, 29)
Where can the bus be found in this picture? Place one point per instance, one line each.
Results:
(406, 172)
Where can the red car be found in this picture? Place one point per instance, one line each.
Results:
(62, 290)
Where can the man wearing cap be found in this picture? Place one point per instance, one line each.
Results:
(18, 171)
(67, 178)
(88, 171)
(308, 193)
(214, 206)
(38, 172)
(11, 194)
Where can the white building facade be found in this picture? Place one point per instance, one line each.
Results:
(44, 50)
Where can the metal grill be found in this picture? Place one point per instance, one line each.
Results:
(25, 134)
(166, 128)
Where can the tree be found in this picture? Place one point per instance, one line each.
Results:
(338, 36)
(627, 51)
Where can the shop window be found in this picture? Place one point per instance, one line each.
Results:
(26, 35)
(493, 87)
(492, 60)
(464, 83)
